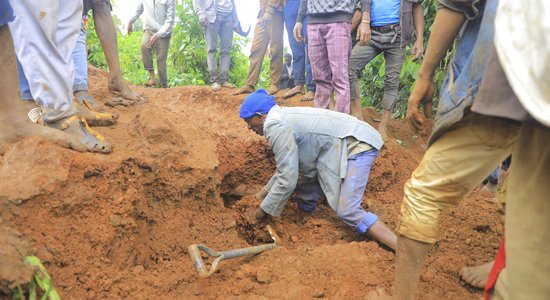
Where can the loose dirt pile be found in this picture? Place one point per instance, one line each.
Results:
(182, 172)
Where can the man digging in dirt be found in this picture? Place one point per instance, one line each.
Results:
(333, 152)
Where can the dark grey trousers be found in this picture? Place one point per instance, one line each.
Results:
(393, 54)
(161, 48)
(222, 28)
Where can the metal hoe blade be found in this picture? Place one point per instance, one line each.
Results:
(195, 253)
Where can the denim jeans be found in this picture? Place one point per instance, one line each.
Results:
(351, 193)
(393, 54)
(80, 60)
(222, 28)
(300, 59)
(23, 83)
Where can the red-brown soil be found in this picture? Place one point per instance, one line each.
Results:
(182, 171)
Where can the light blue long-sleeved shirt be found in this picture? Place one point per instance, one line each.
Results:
(158, 16)
(311, 142)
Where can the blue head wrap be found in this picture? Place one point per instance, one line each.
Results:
(257, 102)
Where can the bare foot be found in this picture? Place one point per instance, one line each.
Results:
(273, 89)
(246, 89)
(21, 128)
(309, 96)
(476, 276)
(299, 89)
(120, 88)
(378, 294)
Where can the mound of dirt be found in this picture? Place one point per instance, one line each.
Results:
(183, 171)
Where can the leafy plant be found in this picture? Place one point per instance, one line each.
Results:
(186, 57)
(40, 284)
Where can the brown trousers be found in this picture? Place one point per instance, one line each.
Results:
(264, 36)
(161, 48)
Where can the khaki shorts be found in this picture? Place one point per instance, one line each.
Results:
(453, 165)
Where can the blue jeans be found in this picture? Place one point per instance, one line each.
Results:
(23, 83)
(300, 58)
(351, 193)
(80, 61)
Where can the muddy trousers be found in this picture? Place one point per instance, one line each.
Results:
(458, 161)
(527, 219)
(271, 36)
(161, 49)
(349, 208)
(44, 46)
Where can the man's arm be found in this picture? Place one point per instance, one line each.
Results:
(283, 145)
(363, 32)
(418, 21)
(139, 11)
(447, 24)
(166, 28)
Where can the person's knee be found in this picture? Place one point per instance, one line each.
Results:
(101, 8)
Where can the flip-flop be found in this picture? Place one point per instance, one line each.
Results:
(94, 141)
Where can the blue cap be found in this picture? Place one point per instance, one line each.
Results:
(257, 102)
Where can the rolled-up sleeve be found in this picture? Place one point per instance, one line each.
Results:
(283, 183)
(166, 29)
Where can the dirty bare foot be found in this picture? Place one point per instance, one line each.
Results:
(309, 96)
(20, 127)
(299, 89)
(246, 89)
(378, 294)
(476, 276)
(383, 127)
(273, 89)
(228, 85)
(120, 88)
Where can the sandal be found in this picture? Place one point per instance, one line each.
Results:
(87, 108)
(77, 127)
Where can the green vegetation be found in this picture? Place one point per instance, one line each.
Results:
(187, 59)
(41, 286)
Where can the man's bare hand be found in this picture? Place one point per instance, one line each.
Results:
(130, 28)
(260, 215)
(421, 94)
(266, 19)
(204, 22)
(417, 49)
(153, 40)
(298, 36)
(363, 33)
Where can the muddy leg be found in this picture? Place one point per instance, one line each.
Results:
(14, 123)
(381, 233)
(477, 276)
(383, 127)
(105, 29)
(410, 259)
